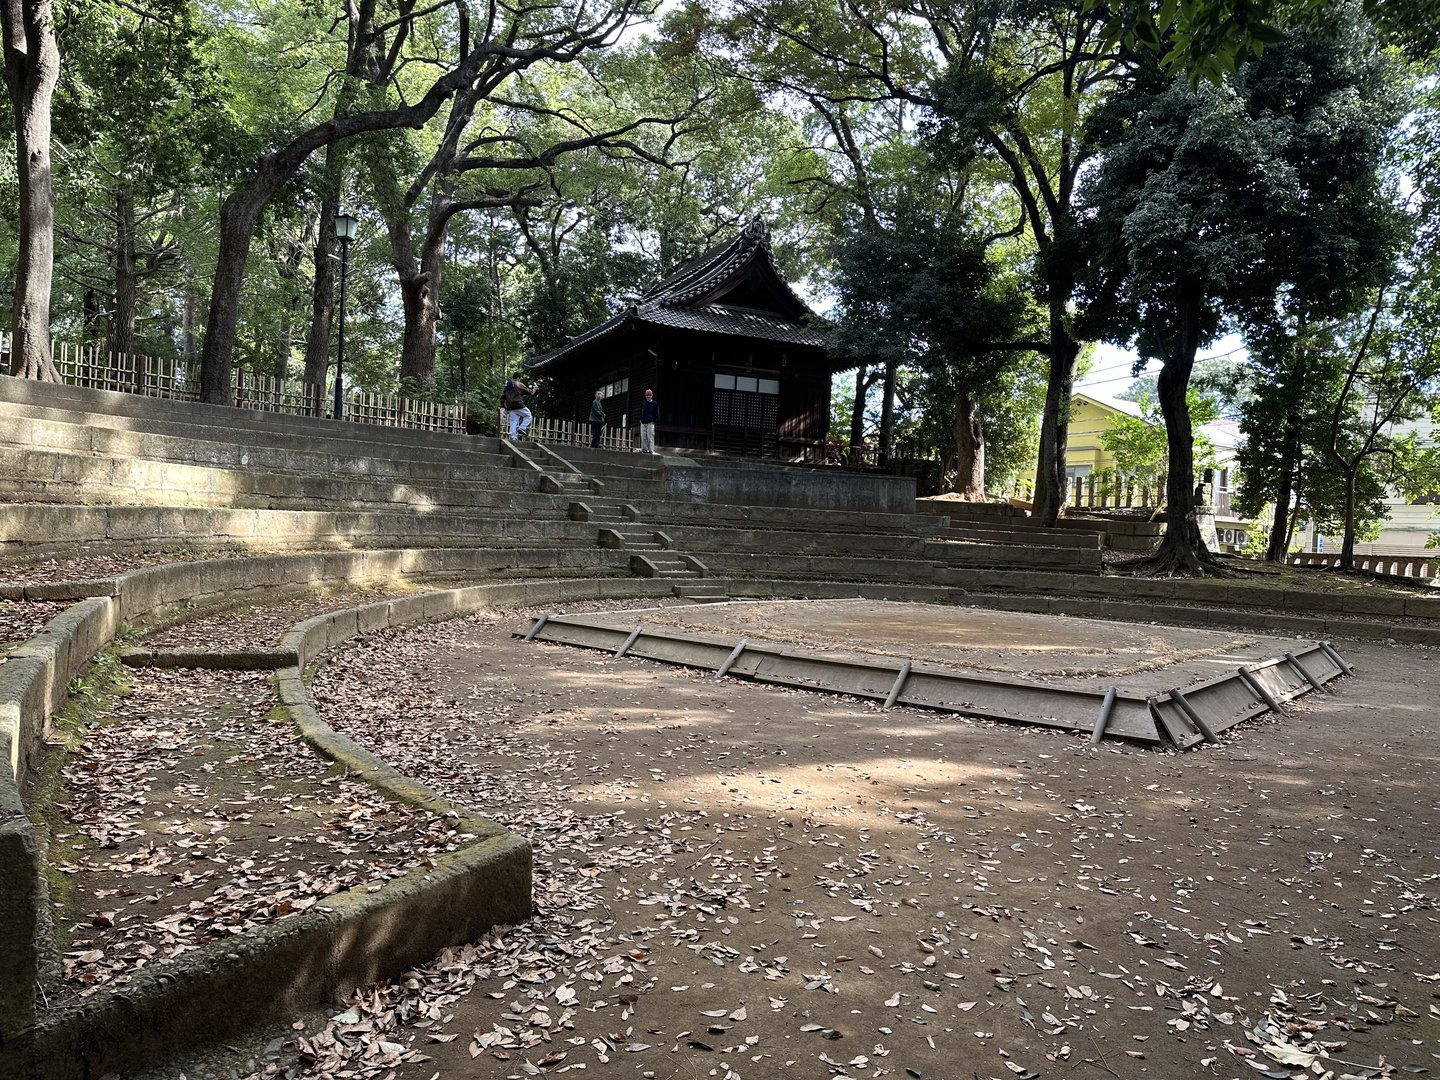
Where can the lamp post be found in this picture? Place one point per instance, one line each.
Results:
(345, 225)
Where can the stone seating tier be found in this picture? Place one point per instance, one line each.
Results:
(667, 512)
(134, 412)
(771, 563)
(28, 475)
(696, 539)
(68, 529)
(73, 432)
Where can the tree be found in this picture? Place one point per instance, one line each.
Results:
(1220, 202)
(141, 114)
(1210, 38)
(921, 287)
(1392, 374)
(1139, 444)
(1289, 387)
(1019, 92)
(32, 68)
(858, 77)
(512, 40)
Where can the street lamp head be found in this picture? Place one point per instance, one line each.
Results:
(345, 225)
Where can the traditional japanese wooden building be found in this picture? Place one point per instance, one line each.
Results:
(737, 360)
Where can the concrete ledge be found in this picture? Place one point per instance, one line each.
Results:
(267, 974)
(21, 900)
(210, 659)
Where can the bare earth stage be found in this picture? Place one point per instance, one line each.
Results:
(1171, 684)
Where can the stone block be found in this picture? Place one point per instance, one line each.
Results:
(20, 899)
(1347, 602)
(1422, 607)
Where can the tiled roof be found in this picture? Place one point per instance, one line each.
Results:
(671, 302)
(718, 319)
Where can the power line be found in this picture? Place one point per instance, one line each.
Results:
(1120, 378)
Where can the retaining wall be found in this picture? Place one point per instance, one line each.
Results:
(801, 489)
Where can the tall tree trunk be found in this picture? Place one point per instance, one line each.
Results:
(239, 216)
(1347, 542)
(32, 68)
(969, 432)
(421, 358)
(857, 416)
(1050, 493)
(887, 412)
(121, 338)
(420, 297)
(322, 308)
(1182, 549)
(1279, 544)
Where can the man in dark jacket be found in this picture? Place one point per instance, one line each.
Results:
(649, 413)
(597, 417)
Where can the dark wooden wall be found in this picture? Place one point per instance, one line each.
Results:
(680, 367)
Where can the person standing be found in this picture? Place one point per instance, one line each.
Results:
(597, 418)
(513, 399)
(649, 413)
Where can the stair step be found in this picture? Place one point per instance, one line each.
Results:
(692, 592)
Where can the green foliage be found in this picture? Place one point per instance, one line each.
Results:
(1138, 442)
(1216, 201)
(1257, 533)
(1209, 39)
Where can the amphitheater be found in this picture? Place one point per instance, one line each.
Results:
(325, 676)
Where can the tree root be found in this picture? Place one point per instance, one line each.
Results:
(1170, 562)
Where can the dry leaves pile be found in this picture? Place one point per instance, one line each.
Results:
(189, 814)
(21, 620)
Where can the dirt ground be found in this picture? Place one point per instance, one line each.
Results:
(739, 881)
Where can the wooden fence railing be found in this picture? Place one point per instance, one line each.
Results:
(1105, 491)
(569, 433)
(178, 379)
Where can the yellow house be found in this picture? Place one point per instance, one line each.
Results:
(1089, 419)
(1086, 456)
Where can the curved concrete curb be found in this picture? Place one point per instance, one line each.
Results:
(356, 937)
(209, 659)
(227, 986)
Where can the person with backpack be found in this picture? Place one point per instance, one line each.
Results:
(597, 418)
(513, 401)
